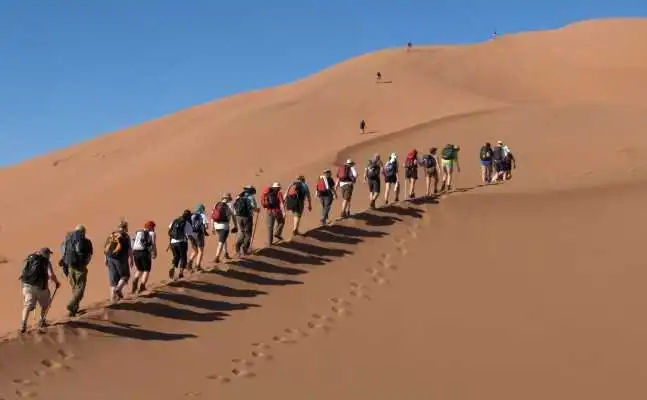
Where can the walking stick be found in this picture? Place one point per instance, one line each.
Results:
(254, 230)
(51, 299)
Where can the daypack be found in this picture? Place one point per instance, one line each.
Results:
(344, 174)
(197, 223)
(429, 161)
(113, 246)
(321, 185)
(241, 207)
(373, 170)
(269, 199)
(76, 249)
(144, 239)
(293, 196)
(389, 169)
(486, 154)
(34, 270)
(176, 231)
(410, 162)
(497, 154)
(219, 213)
(449, 152)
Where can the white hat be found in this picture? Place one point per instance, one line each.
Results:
(349, 161)
(276, 185)
(499, 142)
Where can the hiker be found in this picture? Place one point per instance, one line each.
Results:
(144, 252)
(77, 253)
(326, 192)
(346, 178)
(119, 260)
(411, 164)
(199, 223)
(449, 158)
(223, 214)
(486, 163)
(509, 163)
(390, 171)
(295, 198)
(362, 126)
(409, 45)
(35, 276)
(372, 178)
(430, 162)
(272, 201)
(498, 159)
(244, 208)
(379, 76)
(179, 231)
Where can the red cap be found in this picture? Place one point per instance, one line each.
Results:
(150, 225)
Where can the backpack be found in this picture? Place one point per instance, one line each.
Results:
(269, 199)
(293, 196)
(410, 162)
(373, 170)
(176, 231)
(76, 249)
(145, 239)
(241, 207)
(449, 152)
(321, 185)
(429, 161)
(113, 246)
(389, 169)
(34, 270)
(343, 173)
(197, 223)
(497, 154)
(486, 154)
(219, 213)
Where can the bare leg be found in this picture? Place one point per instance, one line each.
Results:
(387, 189)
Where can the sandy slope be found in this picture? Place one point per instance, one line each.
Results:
(450, 320)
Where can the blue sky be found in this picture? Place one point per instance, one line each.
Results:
(74, 69)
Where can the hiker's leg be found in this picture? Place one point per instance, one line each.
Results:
(198, 261)
(80, 278)
(270, 227)
(387, 189)
(183, 249)
(44, 299)
(113, 278)
(240, 238)
(327, 205)
(29, 304)
(248, 230)
(280, 224)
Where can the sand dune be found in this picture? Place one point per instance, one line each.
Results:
(524, 290)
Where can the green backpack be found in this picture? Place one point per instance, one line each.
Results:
(449, 152)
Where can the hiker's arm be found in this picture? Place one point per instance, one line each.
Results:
(52, 275)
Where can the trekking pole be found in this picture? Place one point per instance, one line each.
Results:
(51, 299)
(254, 230)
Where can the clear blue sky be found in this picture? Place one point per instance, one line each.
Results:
(74, 69)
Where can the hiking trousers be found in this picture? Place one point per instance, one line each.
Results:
(78, 280)
(275, 224)
(180, 254)
(326, 204)
(245, 229)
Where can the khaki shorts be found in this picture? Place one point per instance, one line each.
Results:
(33, 295)
(347, 191)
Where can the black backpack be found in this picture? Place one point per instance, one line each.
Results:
(241, 207)
(486, 154)
(176, 231)
(197, 223)
(77, 249)
(145, 240)
(34, 272)
(429, 161)
(373, 170)
(497, 154)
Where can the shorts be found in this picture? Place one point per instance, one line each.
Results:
(298, 209)
(431, 172)
(507, 165)
(391, 179)
(347, 191)
(223, 234)
(374, 185)
(448, 164)
(486, 163)
(143, 260)
(197, 242)
(117, 270)
(34, 294)
(411, 173)
(498, 166)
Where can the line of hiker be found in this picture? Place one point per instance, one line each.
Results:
(188, 231)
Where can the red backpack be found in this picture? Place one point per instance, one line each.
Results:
(219, 213)
(321, 185)
(343, 173)
(269, 199)
(410, 162)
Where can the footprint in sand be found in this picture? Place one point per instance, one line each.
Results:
(241, 368)
(192, 394)
(283, 339)
(357, 290)
(25, 394)
(220, 378)
(54, 365)
(386, 263)
(66, 355)
(412, 233)
(339, 302)
(23, 382)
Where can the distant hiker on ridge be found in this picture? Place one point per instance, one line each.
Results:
(362, 127)
(379, 76)
(36, 273)
(326, 192)
(409, 45)
(77, 253)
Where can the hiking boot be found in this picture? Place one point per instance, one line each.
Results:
(278, 237)
(171, 273)
(142, 288)
(71, 313)
(23, 329)
(216, 260)
(180, 276)
(42, 324)
(119, 294)
(227, 256)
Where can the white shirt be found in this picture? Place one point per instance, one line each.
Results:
(188, 231)
(353, 174)
(225, 225)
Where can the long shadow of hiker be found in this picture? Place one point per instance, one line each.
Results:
(255, 279)
(372, 219)
(263, 266)
(212, 305)
(168, 311)
(129, 331)
(212, 288)
(319, 251)
(280, 253)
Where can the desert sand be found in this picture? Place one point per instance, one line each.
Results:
(532, 289)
